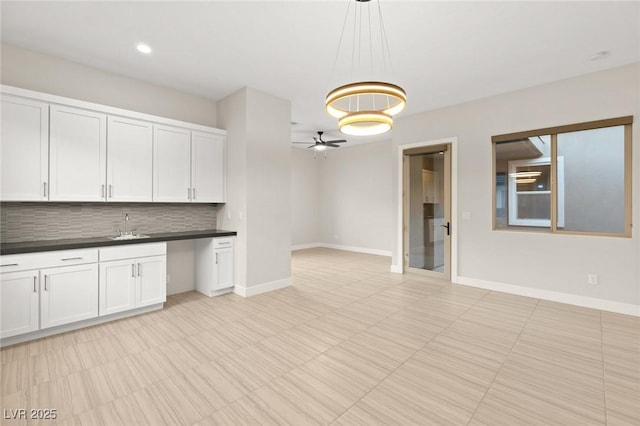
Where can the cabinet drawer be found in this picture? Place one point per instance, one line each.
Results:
(132, 251)
(222, 242)
(48, 259)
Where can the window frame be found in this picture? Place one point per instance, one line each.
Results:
(557, 177)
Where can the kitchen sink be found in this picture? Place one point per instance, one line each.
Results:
(129, 237)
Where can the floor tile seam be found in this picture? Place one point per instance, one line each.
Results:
(404, 362)
(604, 375)
(326, 350)
(503, 362)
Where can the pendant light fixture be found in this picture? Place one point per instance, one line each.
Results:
(365, 108)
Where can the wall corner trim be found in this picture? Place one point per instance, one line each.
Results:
(262, 288)
(396, 269)
(554, 296)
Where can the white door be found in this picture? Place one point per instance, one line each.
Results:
(129, 160)
(117, 286)
(207, 168)
(224, 269)
(171, 164)
(78, 154)
(68, 294)
(151, 273)
(18, 302)
(24, 149)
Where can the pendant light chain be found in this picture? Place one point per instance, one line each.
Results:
(386, 41)
(344, 25)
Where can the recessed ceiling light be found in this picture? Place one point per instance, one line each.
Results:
(600, 55)
(143, 48)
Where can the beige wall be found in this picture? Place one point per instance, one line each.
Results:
(343, 199)
(539, 261)
(43, 73)
(305, 197)
(259, 186)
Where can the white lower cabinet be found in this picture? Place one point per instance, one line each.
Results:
(152, 281)
(68, 294)
(215, 265)
(117, 286)
(19, 306)
(48, 289)
(132, 277)
(44, 290)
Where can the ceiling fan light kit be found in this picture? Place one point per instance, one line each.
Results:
(365, 108)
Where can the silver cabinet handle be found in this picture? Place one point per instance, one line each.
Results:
(110, 191)
(9, 264)
(139, 273)
(71, 258)
(224, 243)
(133, 270)
(44, 192)
(216, 258)
(188, 193)
(35, 279)
(193, 193)
(45, 283)
(102, 191)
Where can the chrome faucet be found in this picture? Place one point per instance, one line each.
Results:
(126, 220)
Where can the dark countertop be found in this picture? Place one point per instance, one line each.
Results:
(77, 243)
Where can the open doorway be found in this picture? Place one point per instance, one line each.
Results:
(427, 210)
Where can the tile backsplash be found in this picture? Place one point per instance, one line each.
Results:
(50, 221)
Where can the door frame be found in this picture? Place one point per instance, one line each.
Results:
(453, 143)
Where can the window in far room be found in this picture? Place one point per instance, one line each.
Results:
(568, 179)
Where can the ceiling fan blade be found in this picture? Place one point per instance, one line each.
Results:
(304, 142)
(332, 145)
(312, 146)
(337, 141)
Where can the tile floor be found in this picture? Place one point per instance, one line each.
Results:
(348, 344)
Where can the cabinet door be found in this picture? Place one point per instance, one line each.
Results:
(224, 269)
(207, 168)
(68, 294)
(78, 151)
(18, 302)
(24, 149)
(151, 273)
(117, 286)
(171, 164)
(129, 160)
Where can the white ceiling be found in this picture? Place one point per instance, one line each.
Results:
(443, 53)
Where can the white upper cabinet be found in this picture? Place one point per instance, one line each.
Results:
(171, 164)
(24, 149)
(78, 149)
(207, 168)
(129, 160)
(60, 149)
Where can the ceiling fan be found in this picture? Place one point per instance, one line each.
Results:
(320, 145)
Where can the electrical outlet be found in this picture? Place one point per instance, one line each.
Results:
(168, 278)
(592, 279)
(336, 237)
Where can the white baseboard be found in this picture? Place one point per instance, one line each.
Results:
(554, 296)
(262, 288)
(304, 246)
(341, 247)
(357, 249)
